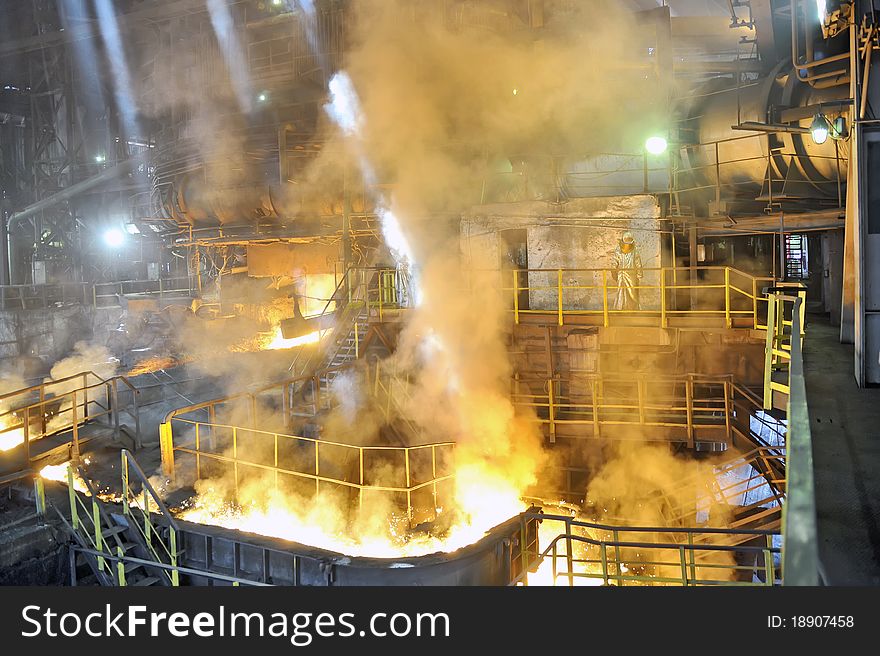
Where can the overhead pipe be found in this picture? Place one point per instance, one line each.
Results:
(123, 168)
(812, 63)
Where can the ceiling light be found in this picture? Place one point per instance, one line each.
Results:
(656, 145)
(820, 129)
(114, 237)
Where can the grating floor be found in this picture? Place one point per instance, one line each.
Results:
(845, 424)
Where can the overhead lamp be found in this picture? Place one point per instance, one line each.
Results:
(100, 159)
(838, 128)
(656, 145)
(263, 97)
(820, 129)
(114, 237)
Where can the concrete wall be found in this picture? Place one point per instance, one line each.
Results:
(581, 234)
(31, 337)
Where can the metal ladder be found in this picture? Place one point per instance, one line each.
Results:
(134, 547)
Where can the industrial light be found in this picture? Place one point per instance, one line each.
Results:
(820, 7)
(100, 159)
(262, 97)
(820, 129)
(656, 145)
(838, 128)
(114, 237)
(515, 91)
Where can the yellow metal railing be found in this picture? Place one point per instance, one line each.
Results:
(382, 289)
(421, 468)
(66, 404)
(102, 294)
(689, 407)
(666, 293)
(391, 393)
(85, 518)
(783, 301)
(624, 555)
(140, 508)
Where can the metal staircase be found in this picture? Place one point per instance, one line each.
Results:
(796, 263)
(131, 545)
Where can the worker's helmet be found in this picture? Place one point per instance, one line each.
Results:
(628, 238)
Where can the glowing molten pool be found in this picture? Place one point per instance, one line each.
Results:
(10, 437)
(482, 502)
(277, 342)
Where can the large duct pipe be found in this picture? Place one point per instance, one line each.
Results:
(796, 163)
(192, 200)
(123, 168)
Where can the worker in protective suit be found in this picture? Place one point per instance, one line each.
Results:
(626, 268)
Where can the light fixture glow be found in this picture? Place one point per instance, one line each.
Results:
(100, 159)
(515, 91)
(114, 237)
(819, 129)
(262, 97)
(656, 145)
(820, 7)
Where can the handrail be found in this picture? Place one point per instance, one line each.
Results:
(685, 542)
(44, 384)
(87, 293)
(128, 463)
(253, 393)
(169, 552)
(694, 403)
(567, 298)
(800, 552)
(86, 402)
(275, 469)
(175, 569)
(98, 517)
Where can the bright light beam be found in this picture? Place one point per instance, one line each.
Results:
(74, 14)
(311, 26)
(656, 145)
(345, 110)
(233, 55)
(122, 86)
(114, 238)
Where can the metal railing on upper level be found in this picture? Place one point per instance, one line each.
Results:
(715, 159)
(28, 297)
(271, 405)
(666, 295)
(103, 294)
(688, 408)
(54, 406)
(107, 294)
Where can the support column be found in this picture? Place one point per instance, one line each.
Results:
(692, 278)
(863, 213)
(5, 251)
